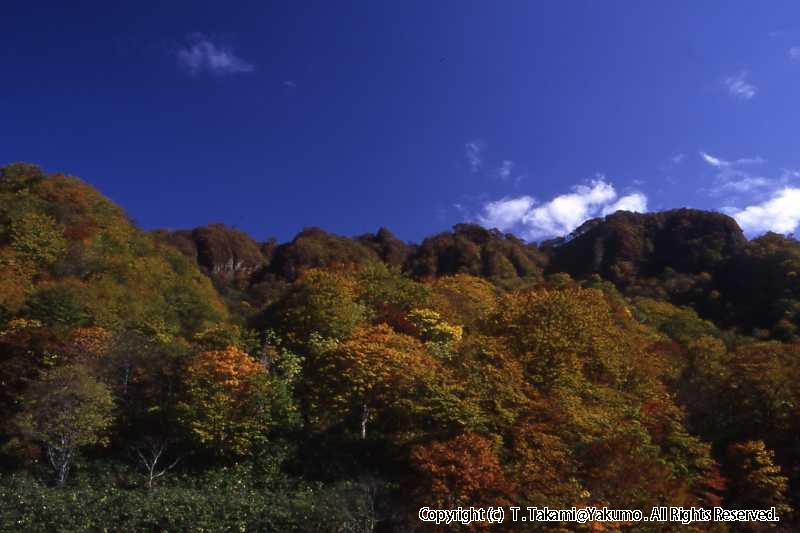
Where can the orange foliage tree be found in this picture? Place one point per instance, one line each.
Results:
(227, 408)
(463, 471)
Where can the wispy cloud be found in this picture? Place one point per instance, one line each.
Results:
(789, 174)
(473, 151)
(733, 177)
(714, 161)
(745, 184)
(200, 55)
(758, 203)
(670, 164)
(289, 84)
(794, 53)
(677, 158)
(720, 163)
(562, 214)
(505, 169)
(780, 213)
(739, 87)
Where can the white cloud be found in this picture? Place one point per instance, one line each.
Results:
(677, 158)
(473, 151)
(201, 55)
(506, 213)
(738, 87)
(636, 202)
(779, 214)
(562, 214)
(289, 84)
(758, 203)
(794, 53)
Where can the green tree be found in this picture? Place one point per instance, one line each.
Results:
(38, 237)
(65, 410)
(755, 481)
(320, 302)
(387, 294)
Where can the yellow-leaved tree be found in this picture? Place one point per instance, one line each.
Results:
(375, 372)
(227, 408)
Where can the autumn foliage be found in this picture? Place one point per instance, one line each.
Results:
(224, 409)
(200, 380)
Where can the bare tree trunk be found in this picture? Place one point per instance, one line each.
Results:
(60, 458)
(150, 453)
(364, 419)
(371, 518)
(127, 370)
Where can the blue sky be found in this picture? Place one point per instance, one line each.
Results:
(529, 116)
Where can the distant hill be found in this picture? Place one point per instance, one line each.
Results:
(625, 246)
(687, 256)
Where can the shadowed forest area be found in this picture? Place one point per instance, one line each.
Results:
(198, 380)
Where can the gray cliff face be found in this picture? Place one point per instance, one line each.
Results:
(220, 250)
(224, 251)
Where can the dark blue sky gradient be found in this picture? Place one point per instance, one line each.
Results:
(356, 114)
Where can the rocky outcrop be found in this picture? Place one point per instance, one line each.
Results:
(221, 251)
(623, 248)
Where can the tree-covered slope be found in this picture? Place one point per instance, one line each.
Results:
(696, 258)
(199, 380)
(72, 258)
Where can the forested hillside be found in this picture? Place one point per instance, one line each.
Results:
(199, 380)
